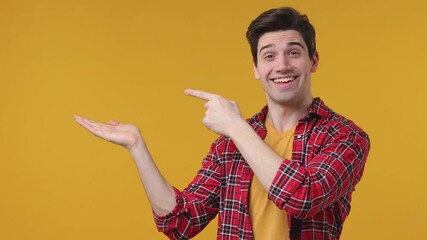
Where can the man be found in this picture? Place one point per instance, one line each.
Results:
(286, 173)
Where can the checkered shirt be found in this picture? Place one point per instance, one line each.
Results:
(329, 155)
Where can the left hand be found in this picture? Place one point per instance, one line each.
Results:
(222, 115)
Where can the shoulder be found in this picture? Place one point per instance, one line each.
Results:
(335, 124)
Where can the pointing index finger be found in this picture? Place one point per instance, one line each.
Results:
(201, 94)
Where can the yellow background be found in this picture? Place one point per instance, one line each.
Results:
(132, 60)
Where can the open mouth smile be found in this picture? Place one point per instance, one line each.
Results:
(284, 79)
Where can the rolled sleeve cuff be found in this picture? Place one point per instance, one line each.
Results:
(170, 221)
(286, 181)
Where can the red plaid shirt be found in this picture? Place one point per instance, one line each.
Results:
(329, 155)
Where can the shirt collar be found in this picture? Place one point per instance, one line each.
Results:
(318, 109)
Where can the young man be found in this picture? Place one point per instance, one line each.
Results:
(286, 173)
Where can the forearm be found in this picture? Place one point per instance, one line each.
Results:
(223, 117)
(261, 158)
(159, 192)
(330, 173)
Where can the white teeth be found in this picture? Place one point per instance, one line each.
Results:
(282, 80)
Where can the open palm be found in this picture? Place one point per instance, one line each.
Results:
(125, 135)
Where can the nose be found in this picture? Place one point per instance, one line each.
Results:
(283, 64)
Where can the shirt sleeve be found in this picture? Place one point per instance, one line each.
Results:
(196, 205)
(330, 174)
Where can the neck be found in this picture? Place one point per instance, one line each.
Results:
(284, 117)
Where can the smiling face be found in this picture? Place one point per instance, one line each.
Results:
(284, 68)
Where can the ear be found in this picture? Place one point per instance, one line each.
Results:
(256, 71)
(315, 62)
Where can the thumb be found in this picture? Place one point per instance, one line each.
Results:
(113, 123)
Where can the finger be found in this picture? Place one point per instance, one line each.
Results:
(81, 119)
(90, 125)
(201, 94)
(77, 118)
(85, 124)
(113, 123)
(89, 122)
(98, 129)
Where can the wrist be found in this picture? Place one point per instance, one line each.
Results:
(137, 146)
(239, 128)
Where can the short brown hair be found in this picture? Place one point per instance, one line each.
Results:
(285, 18)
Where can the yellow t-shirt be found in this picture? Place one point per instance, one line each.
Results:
(268, 221)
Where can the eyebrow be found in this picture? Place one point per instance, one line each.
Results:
(290, 44)
(297, 43)
(264, 47)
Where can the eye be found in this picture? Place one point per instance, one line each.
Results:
(268, 56)
(294, 53)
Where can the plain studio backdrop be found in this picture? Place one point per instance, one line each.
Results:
(131, 61)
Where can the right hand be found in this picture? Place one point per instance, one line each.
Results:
(125, 135)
